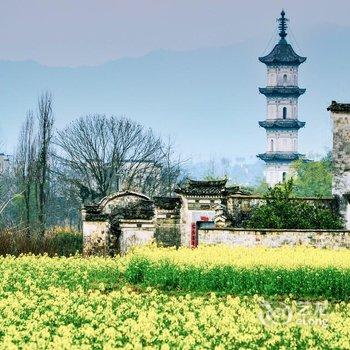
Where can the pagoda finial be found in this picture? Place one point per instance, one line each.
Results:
(282, 26)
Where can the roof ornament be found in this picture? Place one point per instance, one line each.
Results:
(282, 25)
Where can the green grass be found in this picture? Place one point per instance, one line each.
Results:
(301, 282)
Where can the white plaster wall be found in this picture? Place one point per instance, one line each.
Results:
(187, 217)
(274, 173)
(134, 233)
(192, 216)
(282, 141)
(271, 109)
(271, 76)
(275, 108)
(276, 76)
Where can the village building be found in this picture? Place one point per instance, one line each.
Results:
(282, 93)
(199, 202)
(202, 212)
(340, 115)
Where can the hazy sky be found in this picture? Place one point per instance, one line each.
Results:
(90, 32)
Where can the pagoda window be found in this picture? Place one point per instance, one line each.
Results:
(284, 112)
(285, 78)
(271, 145)
(284, 176)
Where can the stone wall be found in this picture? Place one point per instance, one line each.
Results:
(167, 228)
(175, 221)
(167, 221)
(274, 238)
(340, 114)
(168, 235)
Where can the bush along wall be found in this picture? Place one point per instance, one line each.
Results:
(283, 211)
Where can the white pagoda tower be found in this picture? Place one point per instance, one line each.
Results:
(282, 93)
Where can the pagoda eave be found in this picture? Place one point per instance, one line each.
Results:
(280, 91)
(280, 156)
(281, 62)
(282, 55)
(285, 124)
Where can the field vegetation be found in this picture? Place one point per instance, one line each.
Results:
(56, 241)
(222, 299)
(300, 272)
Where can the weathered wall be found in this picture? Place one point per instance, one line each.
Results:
(341, 152)
(135, 232)
(107, 204)
(168, 235)
(167, 221)
(341, 158)
(95, 237)
(167, 228)
(275, 238)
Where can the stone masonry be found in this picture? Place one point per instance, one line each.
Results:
(275, 238)
(340, 114)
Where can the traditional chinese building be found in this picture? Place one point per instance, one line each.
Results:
(282, 93)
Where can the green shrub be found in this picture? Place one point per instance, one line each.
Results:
(283, 211)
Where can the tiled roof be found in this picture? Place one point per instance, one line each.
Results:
(202, 188)
(339, 107)
(282, 91)
(282, 54)
(167, 203)
(282, 156)
(282, 124)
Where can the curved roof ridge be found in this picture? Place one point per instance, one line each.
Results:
(106, 199)
(282, 53)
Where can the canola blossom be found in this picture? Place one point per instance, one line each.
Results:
(216, 255)
(57, 318)
(298, 271)
(79, 303)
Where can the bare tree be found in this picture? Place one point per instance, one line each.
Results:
(171, 170)
(45, 134)
(9, 191)
(101, 155)
(25, 165)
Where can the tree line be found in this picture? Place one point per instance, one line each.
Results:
(53, 173)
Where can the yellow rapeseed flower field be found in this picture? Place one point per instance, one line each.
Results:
(87, 303)
(286, 256)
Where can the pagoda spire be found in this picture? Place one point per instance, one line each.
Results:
(282, 26)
